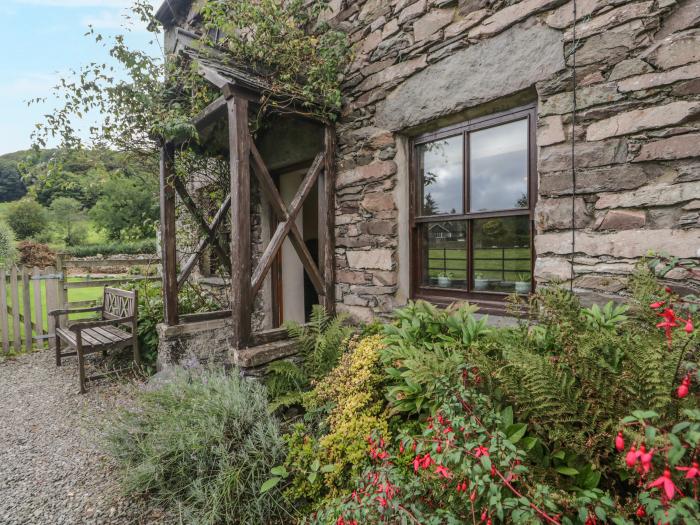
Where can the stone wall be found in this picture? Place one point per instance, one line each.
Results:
(421, 64)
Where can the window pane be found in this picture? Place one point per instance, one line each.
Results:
(498, 166)
(502, 257)
(441, 176)
(445, 254)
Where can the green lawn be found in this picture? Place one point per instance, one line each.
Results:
(489, 263)
(74, 295)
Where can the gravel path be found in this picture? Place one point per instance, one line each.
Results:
(51, 468)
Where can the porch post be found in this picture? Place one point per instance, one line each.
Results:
(239, 147)
(327, 219)
(167, 232)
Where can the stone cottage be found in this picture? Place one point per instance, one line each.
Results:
(486, 147)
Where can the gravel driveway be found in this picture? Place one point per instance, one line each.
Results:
(51, 468)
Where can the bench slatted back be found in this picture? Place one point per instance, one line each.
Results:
(118, 303)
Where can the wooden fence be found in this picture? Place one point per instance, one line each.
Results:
(27, 294)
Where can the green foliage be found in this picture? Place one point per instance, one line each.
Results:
(323, 461)
(26, 217)
(127, 208)
(65, 213)
(572, 373)
(145, 246)
(458, 468)
(426, 347)
(11, 185)
(8, 251)
(321, 343)
(202, 444)
(275, 38)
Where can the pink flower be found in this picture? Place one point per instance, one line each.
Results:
(689, 326)
(664, 481)
(443, 471)
(481, 451)
(684, 388)
(657, 305)
(646, 460)
(631, 457)
(692, 472)
(619, 442)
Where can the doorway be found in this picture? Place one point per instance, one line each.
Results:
(293, 292)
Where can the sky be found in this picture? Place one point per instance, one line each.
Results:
(42, 41)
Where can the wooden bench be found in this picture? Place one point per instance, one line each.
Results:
(119, 309)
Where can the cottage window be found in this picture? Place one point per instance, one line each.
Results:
(474, 191)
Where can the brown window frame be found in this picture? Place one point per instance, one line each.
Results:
(490, 301)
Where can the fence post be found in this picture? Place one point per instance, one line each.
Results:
(16, 336)
(4, 328)
(26, 310)
(61, 292)
(51, 302)
(38, 311)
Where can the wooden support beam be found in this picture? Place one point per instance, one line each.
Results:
(239, 149)
(287, 224)
(167, 232)
(210, 114)
(204, 242)
(327, 219)
(210, 232)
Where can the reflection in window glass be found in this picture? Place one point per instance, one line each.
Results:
(445, 254)
(441, 175)
(498, 164)
(501, 255)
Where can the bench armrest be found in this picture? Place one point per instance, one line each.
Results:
(58, 313)
(77, 327)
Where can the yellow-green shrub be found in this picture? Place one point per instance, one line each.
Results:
(353, 390)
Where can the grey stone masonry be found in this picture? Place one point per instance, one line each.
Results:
(421, 64)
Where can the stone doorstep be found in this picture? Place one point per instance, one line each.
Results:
(257, 356)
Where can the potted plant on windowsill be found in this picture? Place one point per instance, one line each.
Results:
(480, 281)
(444, 279)
(522, 283)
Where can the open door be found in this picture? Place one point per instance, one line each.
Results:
(293, 291)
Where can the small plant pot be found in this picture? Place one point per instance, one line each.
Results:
(522, 287)
(481, 284)
(444, 282)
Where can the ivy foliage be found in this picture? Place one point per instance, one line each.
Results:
(143, 98)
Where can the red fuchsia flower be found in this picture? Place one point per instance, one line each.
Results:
(416, 463)
(481, 451)
(646, 460)
(668, 290)
(427, 461)
(484, 515)
(684, 388)
(382, 501)
(443, 471)
(657, 305)
(689, 326)
(664, 481)
(641, 512)
(692, 472)
(619, 442)
(631, 457)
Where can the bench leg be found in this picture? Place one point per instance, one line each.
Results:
(58, 351)
(81, 367)
(137, 351)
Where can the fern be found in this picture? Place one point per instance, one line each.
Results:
(321, 343)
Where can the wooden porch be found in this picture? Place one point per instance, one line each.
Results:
(240, 93)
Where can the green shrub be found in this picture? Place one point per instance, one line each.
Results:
(127, 208)
(8, 251)
(323, 461)
(321, 343)
(26, 217)
(202, 445)
(146, 246)
(66, 214)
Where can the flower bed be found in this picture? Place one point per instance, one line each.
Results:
(576, 415)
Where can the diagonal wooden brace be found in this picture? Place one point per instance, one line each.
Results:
(287, 217)
(211, 237)
(204, 242)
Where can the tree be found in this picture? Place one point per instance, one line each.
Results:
(66, 215)
(7, 245)
(27, 218)
(11, 185)
(127, 208)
